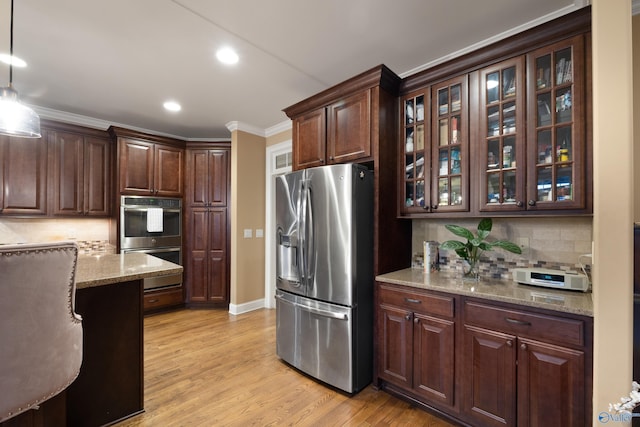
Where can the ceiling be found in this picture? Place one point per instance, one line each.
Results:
(116, 62)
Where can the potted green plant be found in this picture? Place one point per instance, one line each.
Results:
(471, 250)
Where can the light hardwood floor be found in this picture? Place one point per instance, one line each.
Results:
(210, 368)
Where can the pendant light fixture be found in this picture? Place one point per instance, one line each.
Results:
(16, 119)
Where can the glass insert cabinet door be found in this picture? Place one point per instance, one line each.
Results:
(501, 140)
(416, 160)
(556, 148)
(449, 148)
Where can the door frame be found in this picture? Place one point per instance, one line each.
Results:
(270, 206)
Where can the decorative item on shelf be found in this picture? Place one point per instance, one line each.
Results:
(16, 119)
(471, 250)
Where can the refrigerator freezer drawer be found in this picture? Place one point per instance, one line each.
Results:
(316, 337)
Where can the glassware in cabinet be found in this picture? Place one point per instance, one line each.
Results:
(556, 165)
(501, 143)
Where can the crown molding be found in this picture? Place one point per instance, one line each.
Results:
(280, 127)
(245, 127)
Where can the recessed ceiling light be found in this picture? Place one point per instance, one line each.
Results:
(226, 55)
(172, 106)
(17, 62)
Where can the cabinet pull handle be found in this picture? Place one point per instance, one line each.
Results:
(413, 300)
(509, 343)
(153, 300)
(517, 322)
(523, 346)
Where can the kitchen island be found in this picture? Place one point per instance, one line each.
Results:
(110, 385)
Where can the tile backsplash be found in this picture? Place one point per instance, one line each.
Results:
(557, 243)
(91, 235)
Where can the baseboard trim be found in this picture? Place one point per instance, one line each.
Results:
(246, 307)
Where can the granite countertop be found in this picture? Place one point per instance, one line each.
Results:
(98, 270)
(494, 289)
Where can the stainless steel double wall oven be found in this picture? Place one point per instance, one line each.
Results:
(153, 225)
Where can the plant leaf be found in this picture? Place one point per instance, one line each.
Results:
(485, 246)
(459, 231)
(463, 253)
(485, 225)
(507, 246)
(452, 245)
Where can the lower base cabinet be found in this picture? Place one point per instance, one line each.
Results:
(163, 299)
(484, 363)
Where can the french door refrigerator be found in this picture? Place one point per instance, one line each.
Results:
(324, 284)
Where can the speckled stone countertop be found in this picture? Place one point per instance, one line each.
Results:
(98, 270)
(497, 290)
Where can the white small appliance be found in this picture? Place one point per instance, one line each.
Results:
(551, 279)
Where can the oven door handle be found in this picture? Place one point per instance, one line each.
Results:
(145, 209)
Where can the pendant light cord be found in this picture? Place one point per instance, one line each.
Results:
(11, 49)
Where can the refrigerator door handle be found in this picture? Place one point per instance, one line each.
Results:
(325, 313)
(309, 247)
(319, 312)
(301, 227)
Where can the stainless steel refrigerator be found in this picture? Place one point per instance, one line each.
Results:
(324, 295)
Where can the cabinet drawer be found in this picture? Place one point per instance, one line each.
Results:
(539, 326)
(164, 298)
(421, 302)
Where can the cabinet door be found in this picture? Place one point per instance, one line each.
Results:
(197, 170)
(217, 256)
(97, 176)
(349, 129)
(67, 186)
(395, 345)
(450, 146)
(309, 134)
(168, 170)
(196, 260)
(218, 177)
(23, 172)
(416, 153)
(136, 167)
(550, 385)
(434, 355)
(489, 380)
(501, 149)
(556, 120)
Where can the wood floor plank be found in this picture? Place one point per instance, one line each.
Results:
(210, 368)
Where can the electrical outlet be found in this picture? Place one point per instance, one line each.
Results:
(248, 233)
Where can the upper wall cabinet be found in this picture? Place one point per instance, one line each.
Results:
(338, 125)
(435, 146)
(81, 174)
(520, 142)
(149, 164)
(66, 172)
(23, 175)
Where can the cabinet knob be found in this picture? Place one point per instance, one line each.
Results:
(407, 316)
(519, 203)
(416, 320)
(523, 346)
(331, 158)
(434, 207)
(509, 343)
(532, 202)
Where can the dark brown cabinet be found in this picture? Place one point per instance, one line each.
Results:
(337, 133)
(23, 175)
(521, 141)
(524, 368)
(416, 343)
(149, 164)
(207, 227)
(435, 168)
(81, 174)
